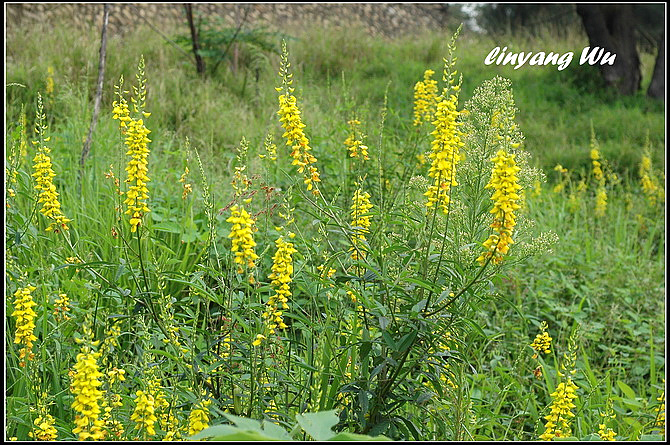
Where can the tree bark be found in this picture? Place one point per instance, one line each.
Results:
(612, 27)
(98, 93)
(657, 86)
(199, 62)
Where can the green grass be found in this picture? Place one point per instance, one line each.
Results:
(604, 275)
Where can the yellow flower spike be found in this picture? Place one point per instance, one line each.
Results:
(85, 387)
(354, 142)
(281, 277)
(25, 323)
(289, 116)
(360, 223)
(144, 413)
(651, 188)
(62, 307)
(542, 342)
(198, 419)
(558, 420)
(44, 174)
(241, 234)
(505, 197)
(444, 155)
(136, 141)
(425, 99)
(660, 413)
(44, 428)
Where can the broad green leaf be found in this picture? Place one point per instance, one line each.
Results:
(352, 437)
(407, 341)
(389, 340)
(274, 430)
(167, 226)
(651, 437)
(229, 433)
(244, 422)
(627, 390)
(318, 425)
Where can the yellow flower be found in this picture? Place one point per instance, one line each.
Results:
(604, 432)
(227, 346)
(542, 342)
(564, 176)
(558, 420)
(425, 99)
(559, 168)
(136, 141)
(240, 181)
(116, 374)
(87, 396)
(281, 276)
(259, 340)
(144, 414)
(49, 87)
(198, 420)
(601, 201)
(597, 170)
(44, 174)
(270, 148)
(660, 413)
(137, 169)
(360, 223)
(44, 428)
(444, 154)
(329, 273)
(289, 116)
(187, 188)
(505, 197)
(601, 193)
(25, 323)
(242, 238)
(354, 142)
(62, 307)
(650, 186)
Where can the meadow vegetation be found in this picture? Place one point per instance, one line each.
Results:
(386, 239)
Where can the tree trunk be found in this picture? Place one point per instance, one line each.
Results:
(657, 85)
(199, 62)
(98, 93)
(612, 27)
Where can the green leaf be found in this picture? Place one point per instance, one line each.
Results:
(167, 226)
(244, 422)
(274, 430)
(164, 354)
(651, 437)
(352, 437)
(318, 425)
(389, 340)
(365, 349)
(407, 341)
(627, 390)
(231, 433)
